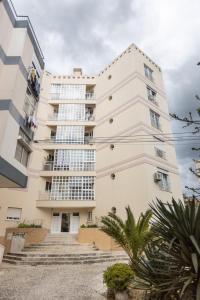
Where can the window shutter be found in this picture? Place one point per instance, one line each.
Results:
(14, 213)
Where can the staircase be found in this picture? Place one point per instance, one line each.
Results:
(62, 249)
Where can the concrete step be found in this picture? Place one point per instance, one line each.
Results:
(69, 258)
(66, 255)
(59, 259)
(62, 262)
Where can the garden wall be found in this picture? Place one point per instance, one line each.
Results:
(32, 236)
(97, 237)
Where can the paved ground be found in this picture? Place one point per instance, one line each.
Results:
(69, 282)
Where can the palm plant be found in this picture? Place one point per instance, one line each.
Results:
(132, 236)
(171, 267)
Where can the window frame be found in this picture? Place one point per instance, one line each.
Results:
(155, 119)
(11, 218)
(164, 183)
(148, 73)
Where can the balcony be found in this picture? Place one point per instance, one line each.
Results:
(46, 200)
(63, 166)
(57, 117)
(87, 141)
(58, 96)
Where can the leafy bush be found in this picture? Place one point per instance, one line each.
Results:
(89, 226)
(24, 225)
(118, 276)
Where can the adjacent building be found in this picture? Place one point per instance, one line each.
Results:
(21, 66)
(101, 143)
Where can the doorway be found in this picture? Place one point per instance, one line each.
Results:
(65, 222)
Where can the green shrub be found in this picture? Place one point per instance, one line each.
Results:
(89, 226)
(24, 225)
(118, 276)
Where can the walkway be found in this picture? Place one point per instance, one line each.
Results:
(67, 282)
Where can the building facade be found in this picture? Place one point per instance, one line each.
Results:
(20, 60)
(101, 143)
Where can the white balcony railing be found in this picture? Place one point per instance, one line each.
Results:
(49, 196)
(58, 96)
(86, 141)
(57, 117)
(63, 166)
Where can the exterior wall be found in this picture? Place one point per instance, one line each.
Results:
(133, 163)
(32, 236)
(95, 236)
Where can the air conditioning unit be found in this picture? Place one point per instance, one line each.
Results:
(157, 177)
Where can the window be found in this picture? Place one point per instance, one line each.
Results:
(72, 188)
(89, 218)
(70, 134)
(159, 148)
(148, 72)
(112, 147)
(74, 160)
(155, 119)
(72, 112)
(109, 77)
(75, 214)
(21, 154)
(68, 91)
(48, 186)
(14, 213)
(151, 94)
(164, 182)
(110, 98)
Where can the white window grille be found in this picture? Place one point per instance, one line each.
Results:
(72, 188)
(73, 112)
(74, 160)
(148, 72)
(14, 213)
(70, 134)
(68, 91)
(155, 119)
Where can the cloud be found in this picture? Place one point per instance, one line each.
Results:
(90, 33)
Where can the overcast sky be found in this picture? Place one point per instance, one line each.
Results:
(90, 33)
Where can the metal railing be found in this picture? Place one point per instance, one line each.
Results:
(86, 141)
(81, 166)
(48, 196)
(58, 96)
(57, 117)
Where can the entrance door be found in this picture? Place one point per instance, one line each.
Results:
(75, 221)
(65, 223)
(56, 223)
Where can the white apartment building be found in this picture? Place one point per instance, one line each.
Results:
(100, 145)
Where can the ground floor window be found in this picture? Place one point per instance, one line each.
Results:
(14, 213)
